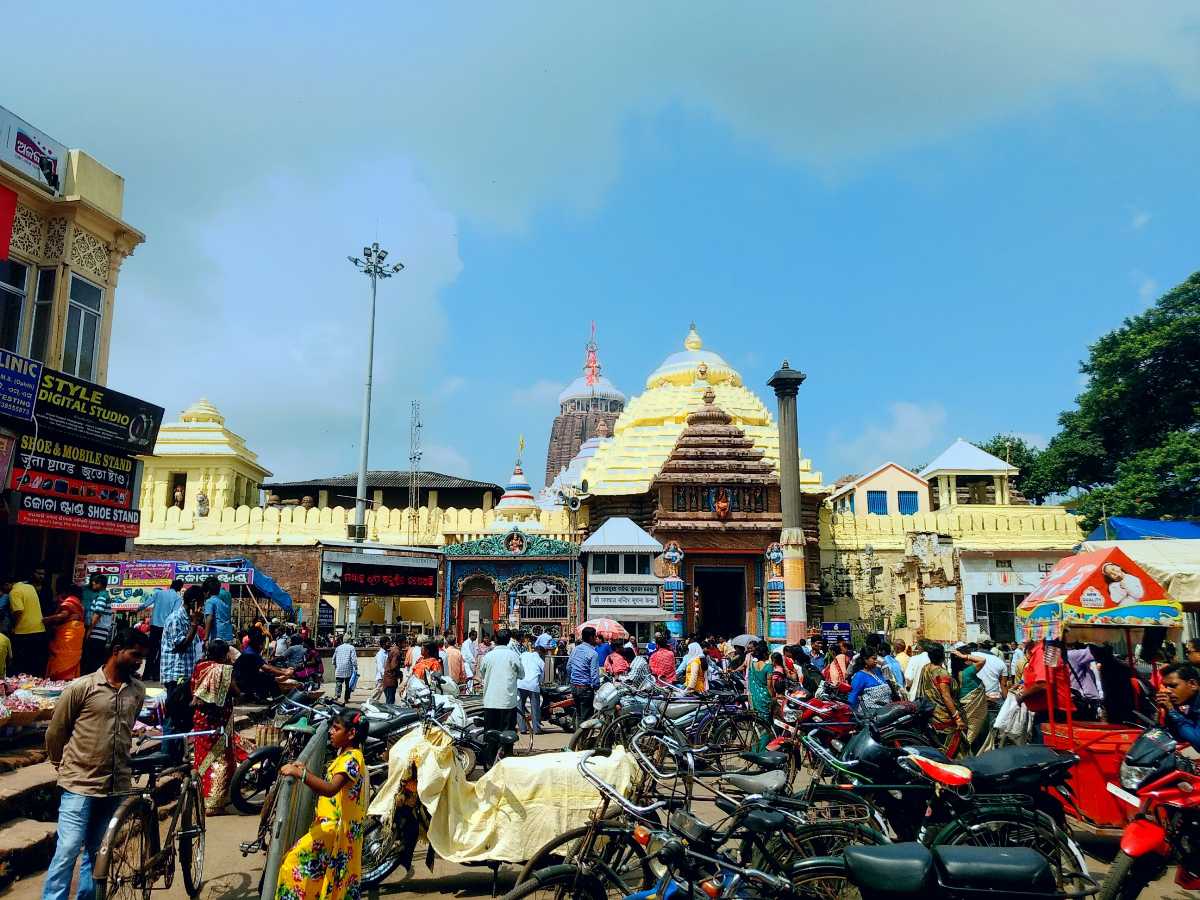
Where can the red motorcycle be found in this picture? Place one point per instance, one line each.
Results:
(1167, 826)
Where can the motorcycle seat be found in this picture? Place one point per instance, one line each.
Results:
(763, 821)
(1007, 760)
(384, 727)
(767, 759)
(507, 737)
(767, 783)
(679, 709)
(892, 870)
(999, 870)
(893, 713)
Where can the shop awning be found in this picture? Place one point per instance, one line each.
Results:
(1104, 587)
(1124, 528)
(1173, 564)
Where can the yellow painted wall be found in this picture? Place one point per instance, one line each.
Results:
(891, 480)
(89, 180)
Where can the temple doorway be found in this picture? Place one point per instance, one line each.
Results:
(722, 592)
(478, 599)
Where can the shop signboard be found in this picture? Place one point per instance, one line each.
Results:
(370, 580)
(19, 380)
(77, 515)
(32, 152)
(835, 631)
(160, 573)
(196, 573)
(88, 412)
(53, 468)
(325, 614)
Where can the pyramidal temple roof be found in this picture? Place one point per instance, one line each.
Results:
(201, 431)
(963, 457)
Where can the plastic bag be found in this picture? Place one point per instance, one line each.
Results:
(1013, 721)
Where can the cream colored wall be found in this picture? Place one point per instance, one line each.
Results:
(227, 481)
(293, 525)
(89, 180)
(890, 480)
(971, 528)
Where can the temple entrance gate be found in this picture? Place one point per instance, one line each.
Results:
(722, 600)
(478, 602)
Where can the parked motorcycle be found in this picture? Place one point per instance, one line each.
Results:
(558, 706)
(1167, 826)
(913, 870)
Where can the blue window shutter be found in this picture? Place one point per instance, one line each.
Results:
(908, 502)
(877, 503)
(852, 503)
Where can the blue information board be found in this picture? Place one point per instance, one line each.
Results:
(19, 379)
(835, 631)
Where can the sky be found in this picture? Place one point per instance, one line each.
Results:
(932, 209)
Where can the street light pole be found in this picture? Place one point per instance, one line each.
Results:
(371, 265)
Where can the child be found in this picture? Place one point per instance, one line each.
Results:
(326, 862)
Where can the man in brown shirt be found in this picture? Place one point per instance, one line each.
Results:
(89, 742)
(392, 670)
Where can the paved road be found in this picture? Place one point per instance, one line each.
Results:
(233, 877)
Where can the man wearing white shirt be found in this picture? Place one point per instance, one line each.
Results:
(529, 689)
(912, 673)
(468, 652)
(381, 658)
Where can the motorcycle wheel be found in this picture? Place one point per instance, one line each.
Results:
(584, 739)
(619, 731)
(380, 854)
(823, 878)
(1127, 877)
(253, 779)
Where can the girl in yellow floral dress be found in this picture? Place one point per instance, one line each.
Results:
(326, 863)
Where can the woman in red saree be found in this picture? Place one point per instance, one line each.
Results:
(213, 691)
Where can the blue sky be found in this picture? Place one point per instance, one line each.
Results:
(932, 209)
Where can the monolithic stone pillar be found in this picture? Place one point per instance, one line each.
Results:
(786, 383)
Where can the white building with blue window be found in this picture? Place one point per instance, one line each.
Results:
(888, 490)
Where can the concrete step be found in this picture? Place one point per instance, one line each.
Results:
(26, 847)
(28, 791)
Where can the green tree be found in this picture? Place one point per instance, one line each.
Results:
(1021, 455)
(1131, 442)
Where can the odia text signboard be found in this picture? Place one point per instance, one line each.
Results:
(77, 515)
(96, 415)
(622, 596)
(53, 468)
(31, 152)
(413, 577)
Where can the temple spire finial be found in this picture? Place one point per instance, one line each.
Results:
(692, 341)
(591, 361)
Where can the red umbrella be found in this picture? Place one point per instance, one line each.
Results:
(606, 628)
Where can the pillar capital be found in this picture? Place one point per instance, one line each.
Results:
(786, 381)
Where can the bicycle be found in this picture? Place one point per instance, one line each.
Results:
(133, 854)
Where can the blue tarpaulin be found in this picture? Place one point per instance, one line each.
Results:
(263, 583)
(1122, 528)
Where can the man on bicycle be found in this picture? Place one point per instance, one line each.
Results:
(88, 742)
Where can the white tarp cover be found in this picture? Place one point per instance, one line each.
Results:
(509, 813)
(1175, 564)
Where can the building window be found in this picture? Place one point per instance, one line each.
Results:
(1045, 567)
(606, 564)
(43, 314)
(1004, 564)
(13, 279)
(83, 329)
(877, 503)
(907, 501)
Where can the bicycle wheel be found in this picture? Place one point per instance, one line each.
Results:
(253, 779)
(620, 861)
(1021, 828)
(744, 733)
(799, 842)
(121, 872)
(559, 883)
(191, 840)
(619, 731)
(822, 879)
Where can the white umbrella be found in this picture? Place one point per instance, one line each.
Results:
(745, 640)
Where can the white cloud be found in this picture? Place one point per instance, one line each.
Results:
(908, 431)
(1140, 219)
(442, 458)
(541, 393)
(1147, 287)
(449, 386)
(1033, 438)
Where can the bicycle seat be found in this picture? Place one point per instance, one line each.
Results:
(766, 783)
(767, 759)
(891, 870)
(1001, 870)
(763, 821)
(151, 762)
(508, 737)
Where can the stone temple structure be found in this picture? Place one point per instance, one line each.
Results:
(588, 403)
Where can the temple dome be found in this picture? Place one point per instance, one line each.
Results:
(202, 411)
(517, 504)
(684, 367)
(580, 389)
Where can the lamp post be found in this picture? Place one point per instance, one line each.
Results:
(371, 265)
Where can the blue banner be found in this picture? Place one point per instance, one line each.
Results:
(19, 379)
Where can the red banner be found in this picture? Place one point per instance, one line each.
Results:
(8, 214)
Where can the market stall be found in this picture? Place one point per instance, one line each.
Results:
(1102, 597)
(131, 582)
